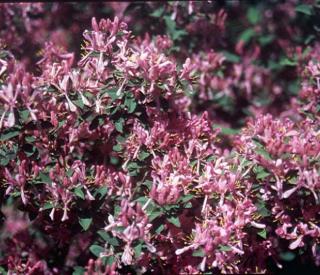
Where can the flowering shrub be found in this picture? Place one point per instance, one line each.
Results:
(118, 163)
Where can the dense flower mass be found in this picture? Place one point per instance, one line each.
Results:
(188, 149)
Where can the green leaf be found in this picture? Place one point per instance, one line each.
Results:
(30, 139)
(79, 103)
(186, 198)
(225, 248)
(264, 153)
(288, 62)
(113, 94)
(15, 194)
(78, 270)
(226, 130)
(274, 66)
(117, 210)
(142, 200)
(174, 33)
(247, 35)
(306, 9)
(175, 221)
(263, 233)
(131, 104)
(171, 24)
(24, 115)
(2, 270)
(231, 57)
(198, 253)
(119, 125)
(114, 160)
(110, 260)
(253, 15)
(120, 139)
(294, 88)
(9, 133)
(171, 207)
(120, 228)
(117, 148)
(96, 249)
(229, 131)
(61, 123)
(85, 223)
(158, 12)
(262, 210)
(138, 250)
(47, 205)
(6, 155)
(310, 38)
(102, 191)
(45, 178)
(229, 197)
(154, 214)
(178, 34)
(266, 39)
(224, 101)
(287, 256)
(79, 193)
(148, 183)
(106, 237)
(4, 161)
(103, 234)
(133, 168)
(69, 173)
(261, 173)
(159, 229)
(143, 155)
(211, 158)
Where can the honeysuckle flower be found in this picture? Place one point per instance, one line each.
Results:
(9, 97)
(78, 84)
(3, 66)
(298, 242)
(63, 86)
(289, 192)
(258, 225)
(112, 223)
(103, 35)
(126, 257)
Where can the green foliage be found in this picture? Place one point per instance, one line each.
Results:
(287, 256)
(96, 249)
(231, 57)
(198, 253)
(106, 237)
(224, 248)
(85, 223)
(305, 9)
(9, 133)
(263, 233)
(79, 193)
(253, 15)
(174, 220)
(78, 270)
(172, 30)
